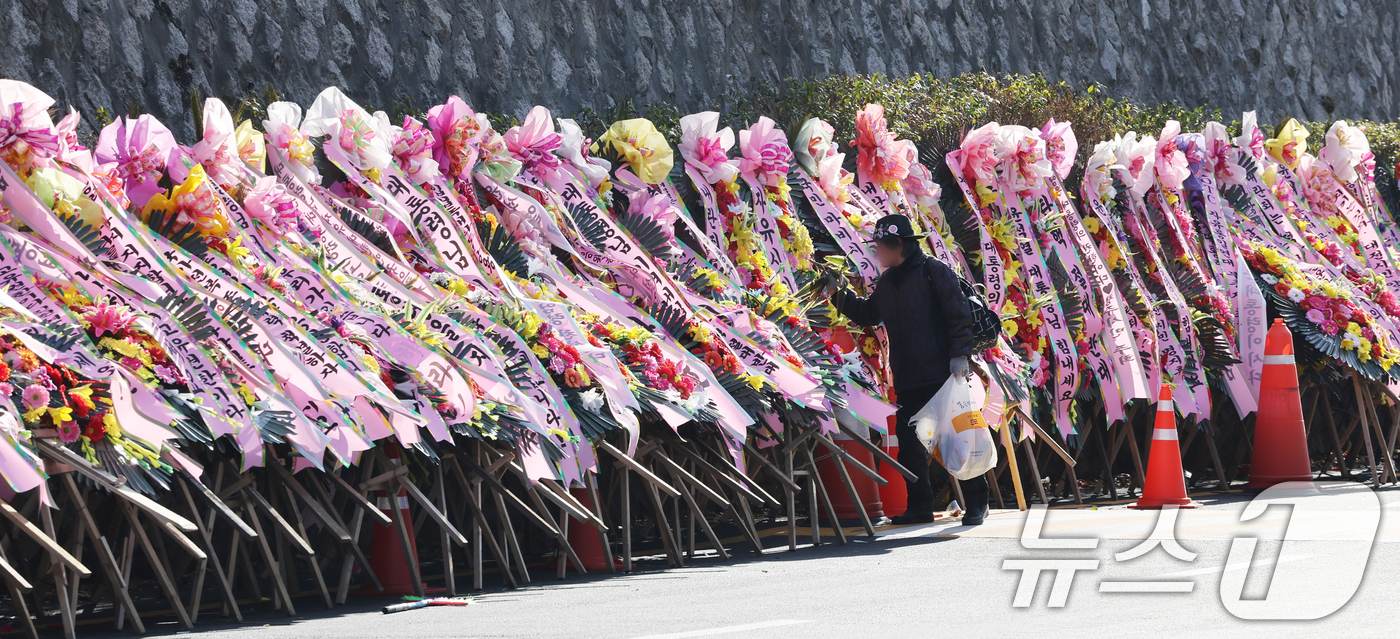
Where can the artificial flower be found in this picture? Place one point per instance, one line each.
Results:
(921, 187)
(270, 203)
(35, 396)
(1251, 139)
(1219, 155)
(1168, 161)
(1290, 145)
(814, 142)
(1061, 146)
(251, 145)
(351, 129)
(642, 146)
(413, 150)
(140, 149)
(533, 143)
(834, 181)
(766, 156)
(1344, 151)
(103, 318)
(215, 152)
(980, 157)
(1022, 153)
(192, 203)
(880, 156)
(283, 127)
(1135, 159)
(706, 149)
(27, 133)
(1098, 171)
(573, 147)
(457, 133)
(657, 207)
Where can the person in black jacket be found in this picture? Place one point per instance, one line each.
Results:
(928, 321)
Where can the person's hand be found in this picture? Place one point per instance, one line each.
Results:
(958, 367)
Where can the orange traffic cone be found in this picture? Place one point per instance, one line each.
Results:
(1280, 440)
(894, 496)
(1166, 483)
(386, 555)
(586, 541)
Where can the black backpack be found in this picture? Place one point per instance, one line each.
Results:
(986, 323)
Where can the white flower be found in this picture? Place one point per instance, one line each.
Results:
(1135, 159)
(1296, 295)
(533, 265)
(1269, 278)
(592, 400)
(1345, 149)
(1098, 171)
(1349, 341)
(1249, 133)
(698, 399)
(571, 149)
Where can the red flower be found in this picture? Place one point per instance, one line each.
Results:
(714, 360)
(4, 372)
(95, 429)
(575, 377)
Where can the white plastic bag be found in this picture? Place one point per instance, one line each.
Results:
(951, 426)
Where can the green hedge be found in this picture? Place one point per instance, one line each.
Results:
(936, 112)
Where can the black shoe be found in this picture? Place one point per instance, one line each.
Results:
(912, 518)
(974, 516)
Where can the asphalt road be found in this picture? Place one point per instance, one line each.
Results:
(936, 580)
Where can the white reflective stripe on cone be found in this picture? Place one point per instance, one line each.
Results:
(1278, 359)
(1164, 433)
(1164, 406)
(384, 503)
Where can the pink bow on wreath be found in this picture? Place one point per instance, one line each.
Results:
(141, 148)
(456, 135)
(215, 152)
(16, 135)
(766, 156)
(533, 143)
(413, 150)
(355, 132)
(1061, 146)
